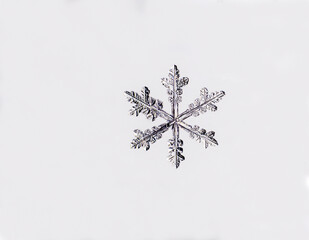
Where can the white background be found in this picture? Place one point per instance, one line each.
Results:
(66, 168)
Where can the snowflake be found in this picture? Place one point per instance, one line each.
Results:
(153, 108)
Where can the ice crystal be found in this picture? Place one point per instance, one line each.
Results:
(153, 108)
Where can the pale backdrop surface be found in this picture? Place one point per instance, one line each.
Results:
(66, 169)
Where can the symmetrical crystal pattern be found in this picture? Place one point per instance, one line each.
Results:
(153, 108)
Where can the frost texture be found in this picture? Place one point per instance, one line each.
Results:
(153, 108)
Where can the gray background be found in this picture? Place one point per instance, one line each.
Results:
(66, 169)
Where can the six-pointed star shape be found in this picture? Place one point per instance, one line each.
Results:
(153, 108)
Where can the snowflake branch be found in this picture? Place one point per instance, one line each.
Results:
(175, 147)
(207, 102)
(149, 106)
(174, 85)
(199, 134)
(143, 139)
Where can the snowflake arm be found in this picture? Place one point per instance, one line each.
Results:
(174, 85)
(143, 139)
(202, 104)
(175, 147)
(199, 134)
(149, 106)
